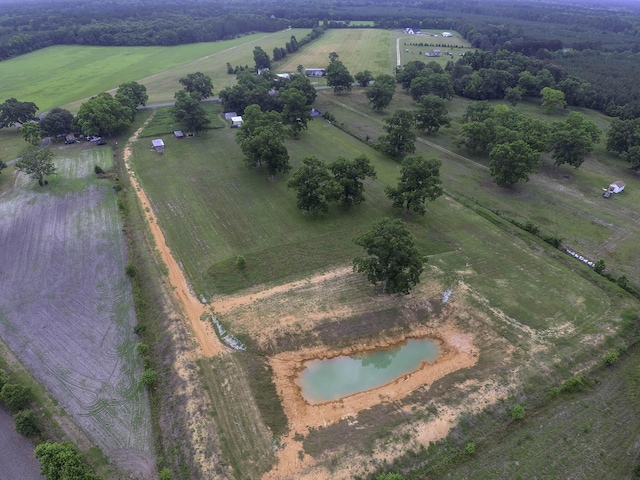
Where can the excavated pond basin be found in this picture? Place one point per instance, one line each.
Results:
(331, 379)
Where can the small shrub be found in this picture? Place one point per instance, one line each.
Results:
(165, 474)
(575, 384)
(623, 281)
(148, 377)
(531, 227)
(139, 329)
(142, 349)
(470, 448)
(26, 423)
(118, 186)
(552, 240)
(517, 412)
(15, 397)
(3, 379)
(130, 270)
(98, 169)
(146, 362)
(241, 262)
(599, 266)
(611, 357)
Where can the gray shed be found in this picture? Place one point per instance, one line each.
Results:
(158, 145)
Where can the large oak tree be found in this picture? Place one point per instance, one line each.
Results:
(380, 93)
(315, 187)
(198, 84)
(103, 115)
(37, 164)
(13, 111)
(419, 181)
(392, 257)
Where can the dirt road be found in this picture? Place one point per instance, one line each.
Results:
(193, 308)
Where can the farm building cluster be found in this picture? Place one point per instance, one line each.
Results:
(415, 31)
(315, 72)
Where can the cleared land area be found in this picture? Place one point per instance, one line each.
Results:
(415, 47)
(521, 316)
(359, 49)
(216, 208)
(66, 308)
(62, 75)
(563, 201)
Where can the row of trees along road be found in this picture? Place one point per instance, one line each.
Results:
(399, 139)
(623, 139)
(106, 114)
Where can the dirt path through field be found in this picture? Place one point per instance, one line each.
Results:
(224, 304)
(193, 308)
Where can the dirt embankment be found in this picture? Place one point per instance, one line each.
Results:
(457, 352)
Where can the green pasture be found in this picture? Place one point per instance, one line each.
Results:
(11, 143)
(164, 123)
(231, 210)
(214, 208)
(359, 49)
(65, 75)
(563, 201)
(455, 45)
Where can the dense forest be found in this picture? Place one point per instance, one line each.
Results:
(596, 42)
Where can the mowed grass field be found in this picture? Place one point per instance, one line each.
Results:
(456, 45)
(65, 75)
(233, 210)
(562, 201)
(216, 208)
(359, 49)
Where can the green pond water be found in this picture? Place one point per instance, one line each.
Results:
(334, 378)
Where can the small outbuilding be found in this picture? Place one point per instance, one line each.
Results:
(447, 34)
(158, 145)
(615, 187)
(178, 134)
(236, 122)
(315, 72)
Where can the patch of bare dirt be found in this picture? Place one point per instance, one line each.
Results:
(457, 352)
(224, 304)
